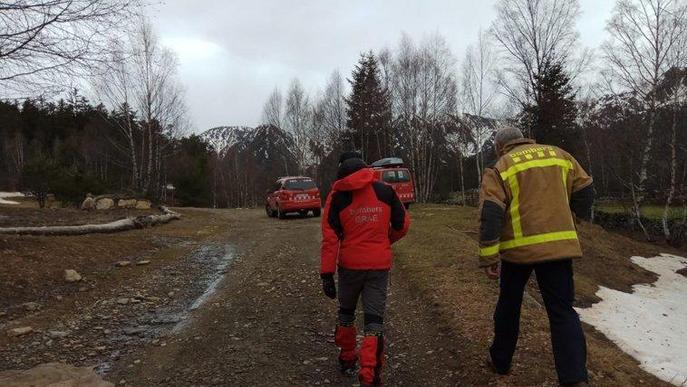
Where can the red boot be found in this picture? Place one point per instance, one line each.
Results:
(371, 361)
(345, 339)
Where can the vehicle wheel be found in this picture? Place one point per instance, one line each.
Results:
(303, 214)
(407, 206)
(280, 213)
(269, 212)
(317, 212)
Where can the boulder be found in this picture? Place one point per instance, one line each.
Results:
(127, 203)
(89, 203)
(104, 204)
(72, 276)
(143, 204)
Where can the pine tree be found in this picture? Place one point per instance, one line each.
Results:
(369, 111)
(552, 118)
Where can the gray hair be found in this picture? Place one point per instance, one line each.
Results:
(507, 134)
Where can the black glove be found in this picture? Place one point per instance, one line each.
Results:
(328, 285)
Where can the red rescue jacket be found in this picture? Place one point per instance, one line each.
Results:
(362, 218)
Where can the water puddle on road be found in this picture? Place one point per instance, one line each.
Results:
(196, 278)
(219, 260)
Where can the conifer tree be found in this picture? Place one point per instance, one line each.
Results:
(369, 111)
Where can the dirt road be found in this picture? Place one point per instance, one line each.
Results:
(233, 298)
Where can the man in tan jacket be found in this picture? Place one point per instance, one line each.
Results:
(527, 201)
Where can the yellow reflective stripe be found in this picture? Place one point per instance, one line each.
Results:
(539, 238)
(517, 168)
(515, 206)
(564, 171)
(489, 251)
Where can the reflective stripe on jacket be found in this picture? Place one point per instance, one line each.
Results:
(530, 187)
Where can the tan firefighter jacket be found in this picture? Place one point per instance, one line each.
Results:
(532, 184)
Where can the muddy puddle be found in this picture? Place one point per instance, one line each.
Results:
(196, 279)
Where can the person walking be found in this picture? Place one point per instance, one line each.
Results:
(529, 202)
(362, 218)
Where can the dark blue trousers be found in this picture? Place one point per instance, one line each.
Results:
(556, 285)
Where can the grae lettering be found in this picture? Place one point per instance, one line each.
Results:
(365, 214)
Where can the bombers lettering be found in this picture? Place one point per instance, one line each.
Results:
(365, 214)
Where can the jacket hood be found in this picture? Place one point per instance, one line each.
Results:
(355, 181)
(515, 143)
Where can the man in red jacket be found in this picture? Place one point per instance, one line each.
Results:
(362, 218)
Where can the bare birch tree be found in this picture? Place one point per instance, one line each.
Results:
(333, 108)
(531, 34)
(116, 88)
(424, 91)
(643, 33)
(478, 93)
(141, 76)
(676, 97)
(45, 42)
(272, 111)
(159, 97)
(297, 120)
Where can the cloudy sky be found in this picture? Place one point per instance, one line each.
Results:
(233, 53)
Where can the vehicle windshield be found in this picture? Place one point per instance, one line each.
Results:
(300, 184)
(396, 176)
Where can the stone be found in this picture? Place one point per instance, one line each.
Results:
(31, 306)
(21, 331)
(88, 204)
(127, 203)
(143, 204)
(143, 262)
(123, 263)
(53, 374)
(58, 334)
(71, 275)
(123, 301)
(104, 204)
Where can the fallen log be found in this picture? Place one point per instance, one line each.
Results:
(116, 226)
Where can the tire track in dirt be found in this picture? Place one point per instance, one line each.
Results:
(269, 324)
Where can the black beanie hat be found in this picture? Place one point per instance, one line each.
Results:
(349, 155)
(349, 167)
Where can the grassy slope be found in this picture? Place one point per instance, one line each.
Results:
(438, 259)
(654, 212)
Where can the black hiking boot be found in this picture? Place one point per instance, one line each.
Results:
(348, 368)
(492, 367)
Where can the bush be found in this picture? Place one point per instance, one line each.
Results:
(43, 176)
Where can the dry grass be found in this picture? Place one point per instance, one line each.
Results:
(439, 259)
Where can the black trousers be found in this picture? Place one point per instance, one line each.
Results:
(556, 285)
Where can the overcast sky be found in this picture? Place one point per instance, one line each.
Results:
(233, 53)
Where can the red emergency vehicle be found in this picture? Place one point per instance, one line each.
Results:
(293, 194)
(392, 171)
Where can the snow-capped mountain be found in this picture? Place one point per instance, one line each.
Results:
(265, 142)
(222, 138)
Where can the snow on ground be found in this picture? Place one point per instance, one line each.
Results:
(651, 322)
(5, 195)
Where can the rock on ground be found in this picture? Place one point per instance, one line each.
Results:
(126, 203)
(53, 375)
(71, 275)
(104, 204)
(21, 331)
(143, 204)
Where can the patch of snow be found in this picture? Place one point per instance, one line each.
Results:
(651, 322)
(5, 195)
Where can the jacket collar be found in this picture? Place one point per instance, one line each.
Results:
(355, 181)
(510, 145)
